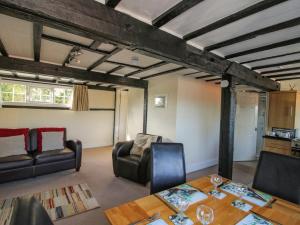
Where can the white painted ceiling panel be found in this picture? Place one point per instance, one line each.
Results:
(275, 60)
(263, 40)
(199, 74)
(169, 66)
(53, 52)
(145, 10)
(279, 67)
(106, 47)
(86, 59)
(124, 71)
(17, 36)
(276, 14)
(282, 73)
(125, 56)
(5, 72)
(101, 1)
(104, 67)
(271, 52)
(46, 77)
(67, 36)
(205, 13)
(26, 75)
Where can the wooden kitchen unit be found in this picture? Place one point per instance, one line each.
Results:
(283, 112)
(277, 145)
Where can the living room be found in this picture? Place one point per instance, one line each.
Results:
(108, 108)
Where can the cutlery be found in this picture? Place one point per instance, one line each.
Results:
(150, 219)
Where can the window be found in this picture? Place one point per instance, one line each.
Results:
(17, 93)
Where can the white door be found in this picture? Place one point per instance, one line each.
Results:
(245, 127)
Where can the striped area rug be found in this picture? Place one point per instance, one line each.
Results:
(59, 203)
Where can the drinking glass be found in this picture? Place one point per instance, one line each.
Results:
(182, 206)
(216, 180)
(205, 214)
(241, 190)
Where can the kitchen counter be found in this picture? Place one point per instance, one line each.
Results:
(277, 138)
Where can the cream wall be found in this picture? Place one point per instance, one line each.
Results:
(191, 117)
(135, 105)
(198, 122)
(93, 128)
(285, 85)
(162, 121)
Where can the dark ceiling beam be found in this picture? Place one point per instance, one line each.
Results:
(276, 64)
(103, 59)
(260, 6)
(284, 75)
(290, 78)
(37, 40)
(206, 76)
(188, 74)
(174, 11)
(264, 48)
(215, 79)
(27, 66)
(269, 57)
(112, 3)
(255, 34)
(151, 67)
(95, 45)
(94, 20)
(115, 69)
(2, 49)
(71, 43)
(163, 73)
(280, 70)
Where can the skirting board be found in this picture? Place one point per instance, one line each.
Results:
(192, 167)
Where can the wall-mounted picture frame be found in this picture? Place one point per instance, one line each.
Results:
(160, 101)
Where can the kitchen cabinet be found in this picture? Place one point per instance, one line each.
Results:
(284, 109)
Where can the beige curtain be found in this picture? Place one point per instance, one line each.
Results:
(80, 98)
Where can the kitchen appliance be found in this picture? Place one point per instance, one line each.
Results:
(283, 132)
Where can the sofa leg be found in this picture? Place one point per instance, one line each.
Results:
(77, 169)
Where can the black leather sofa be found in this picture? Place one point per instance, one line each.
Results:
(132, 167)
(34, 164)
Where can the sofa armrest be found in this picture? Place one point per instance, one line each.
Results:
(145, 165)
(76, 146)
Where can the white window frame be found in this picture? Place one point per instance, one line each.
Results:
(34, 103)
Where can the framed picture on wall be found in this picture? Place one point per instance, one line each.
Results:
(160, 101)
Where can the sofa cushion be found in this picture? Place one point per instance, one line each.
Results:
(15, 161)
(50, 139)
(54, 156)
(21, 141)
(141, 142)
(129, 167)
(13, 145)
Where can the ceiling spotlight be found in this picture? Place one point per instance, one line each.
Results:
(135, 60)
(76, 60)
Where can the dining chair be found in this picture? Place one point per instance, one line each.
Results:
(167, 166)
(278, 175)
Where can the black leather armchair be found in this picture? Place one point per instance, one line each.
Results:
(132, 167)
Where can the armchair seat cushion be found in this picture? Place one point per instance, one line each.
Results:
(129, 166)
(15, 161)
(54, 156)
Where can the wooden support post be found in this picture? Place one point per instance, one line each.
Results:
(228, 107)
(145, 110)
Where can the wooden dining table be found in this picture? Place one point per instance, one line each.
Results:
(279, 212)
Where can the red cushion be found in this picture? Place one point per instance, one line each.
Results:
(6, 132)
(40, 136)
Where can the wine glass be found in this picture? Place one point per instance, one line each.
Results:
(241, 190)
(216, 180)
(182, 205)
(205, 214)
